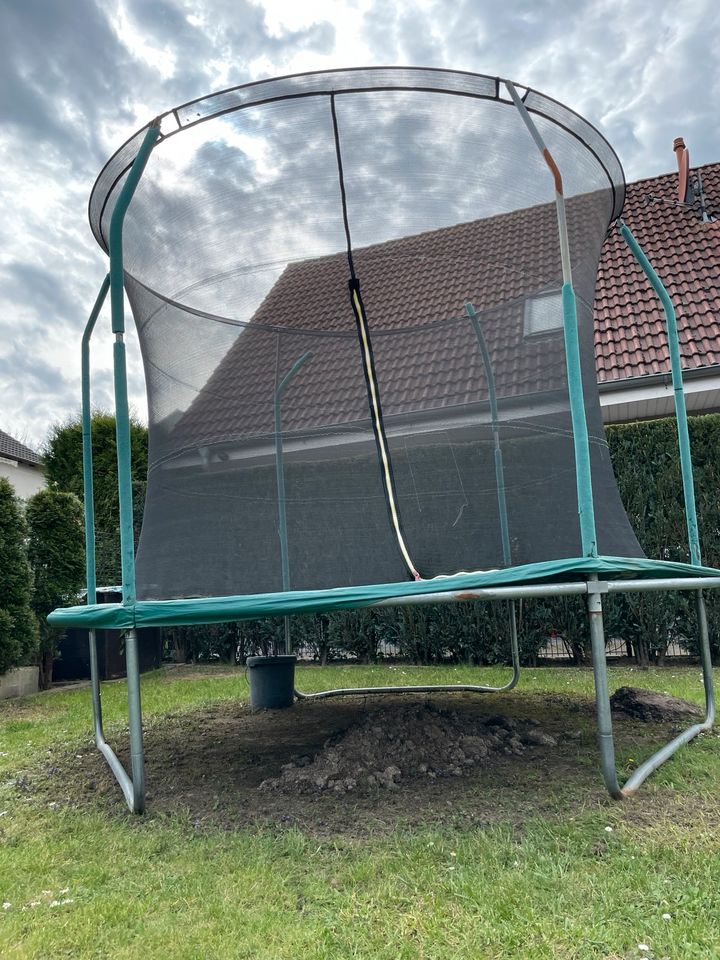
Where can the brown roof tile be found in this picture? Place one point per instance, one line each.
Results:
(630, 338)
(14, 450)
(417, 282)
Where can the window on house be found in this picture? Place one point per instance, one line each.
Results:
(543, 314)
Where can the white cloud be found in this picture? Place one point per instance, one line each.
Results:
(77, 79)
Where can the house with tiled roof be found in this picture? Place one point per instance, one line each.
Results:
(682, 241)
(417, 282)
(21, 466)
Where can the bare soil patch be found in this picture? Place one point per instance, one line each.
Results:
(360, 766)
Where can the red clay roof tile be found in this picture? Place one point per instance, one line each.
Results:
(630, 338)
(474, 260)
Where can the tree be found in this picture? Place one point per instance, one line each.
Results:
(18, 632)
(56, 550)
(63, 461)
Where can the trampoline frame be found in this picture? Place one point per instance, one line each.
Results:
(592, 588)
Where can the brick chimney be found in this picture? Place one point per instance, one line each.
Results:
(685, 191)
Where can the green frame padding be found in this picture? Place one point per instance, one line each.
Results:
(156, 613)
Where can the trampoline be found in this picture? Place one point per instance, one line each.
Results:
(364, 304)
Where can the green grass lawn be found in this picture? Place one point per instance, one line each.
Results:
(596, 879)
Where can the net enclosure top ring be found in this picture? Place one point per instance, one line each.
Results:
(347, 81)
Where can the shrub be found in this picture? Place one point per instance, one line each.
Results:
(56, 550)
(18, 631)
(63, 462)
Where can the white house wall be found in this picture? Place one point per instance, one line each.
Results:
(25, 479)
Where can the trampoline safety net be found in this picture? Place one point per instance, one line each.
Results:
(346, 288)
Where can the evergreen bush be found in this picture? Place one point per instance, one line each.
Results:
(56, 551)
(18, 630)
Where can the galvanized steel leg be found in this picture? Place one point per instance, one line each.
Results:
(137, 753)
(602, 694)
(436, 687)
(133, 788)
(602, 697)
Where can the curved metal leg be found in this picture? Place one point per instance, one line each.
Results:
(604, 716)
(433, 688)
(133, 788)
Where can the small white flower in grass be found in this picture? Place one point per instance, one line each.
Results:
(667, 916)
(643, 947)
(6, 905)
(452, 853)
(608, 829)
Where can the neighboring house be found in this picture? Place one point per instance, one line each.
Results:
(21, 465)
(683, 244)
(434, 272)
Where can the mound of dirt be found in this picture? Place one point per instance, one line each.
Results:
(390, 746)
(649, 705)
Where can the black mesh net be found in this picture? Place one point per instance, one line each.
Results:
(300, 438)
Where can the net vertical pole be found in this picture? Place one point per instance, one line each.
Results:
(122, 415)
(581, 442)
(280, 478)
(88, 492)
(89, 503)
(495, 422)
(136, 800)
(133, 789)
(678, 391)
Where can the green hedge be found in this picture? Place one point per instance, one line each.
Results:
(647, 468)
(18, 629)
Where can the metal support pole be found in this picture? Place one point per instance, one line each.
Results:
(88, 492)
(280, 477)
(122, 415)
(602, 698)
(678, 391)
(432, 688)
(602, 694)
(495, 422)
(581, 443)
(133, 789)
(659, 757)
(137, 754)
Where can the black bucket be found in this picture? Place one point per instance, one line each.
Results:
(272, 682)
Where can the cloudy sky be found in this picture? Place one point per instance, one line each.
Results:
(77, 77)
